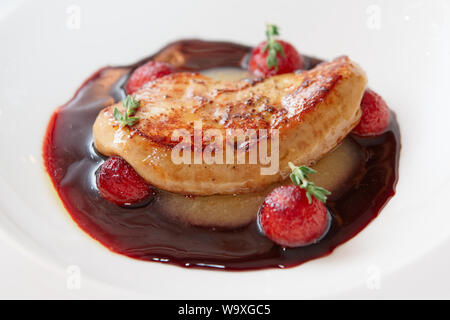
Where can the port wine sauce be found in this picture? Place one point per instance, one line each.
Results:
(146, 233)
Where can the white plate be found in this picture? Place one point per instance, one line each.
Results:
(46, 53)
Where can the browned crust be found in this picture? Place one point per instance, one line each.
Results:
(321, 107)
(244, 114)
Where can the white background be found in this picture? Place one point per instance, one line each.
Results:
(405, 52)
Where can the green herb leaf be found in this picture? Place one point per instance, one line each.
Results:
(299, 177)
(131, 106)
(273, 46)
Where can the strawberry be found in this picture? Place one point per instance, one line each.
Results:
(273, 56)
(118, 182)
(288, 219)
(295, 215)
(150, 71)
(375, 117)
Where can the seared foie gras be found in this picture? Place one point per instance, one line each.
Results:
(311, 112)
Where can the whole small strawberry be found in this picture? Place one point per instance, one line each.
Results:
(274, 56)
(295, 215)
(375, 116)
(150, 71)
(118, 182)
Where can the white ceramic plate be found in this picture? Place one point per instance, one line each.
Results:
(47, 50)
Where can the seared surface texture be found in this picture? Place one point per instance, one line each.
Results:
(313, 112)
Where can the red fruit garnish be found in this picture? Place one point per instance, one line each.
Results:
(273, 56)
(150, 71)
(288, 219)
(118, 182)
(375, 117)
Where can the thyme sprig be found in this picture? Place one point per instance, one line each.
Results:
(299, 177)
(127, 119)
(273, 46)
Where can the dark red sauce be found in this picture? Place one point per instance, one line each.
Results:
(146, 234)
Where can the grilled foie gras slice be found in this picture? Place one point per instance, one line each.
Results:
(311, 112)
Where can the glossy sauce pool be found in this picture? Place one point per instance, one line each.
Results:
(148, 233)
